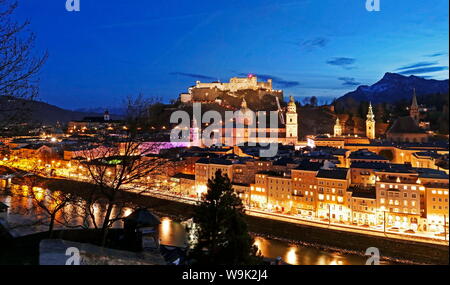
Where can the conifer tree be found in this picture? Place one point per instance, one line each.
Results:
(221, 233)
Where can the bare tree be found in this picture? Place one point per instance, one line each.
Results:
(52, 203)
(19, 66)
(124, 163)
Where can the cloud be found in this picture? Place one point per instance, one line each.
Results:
(424, 70)
(282, 83)
(193, 75)
(149, 21)
(344, 62)
(312, 44)
(436, 54)
(418, 64)
(349, 81)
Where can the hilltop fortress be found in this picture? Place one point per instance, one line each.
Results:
(227, 92)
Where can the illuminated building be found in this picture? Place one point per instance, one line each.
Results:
(184, 184)
(304, 187)
(206, 168)
(398, 194)
(94, 124)
(436, 205)
(279, 191)
(209, 92)
(337, 128)
(291, 122)
(332, 187)
(370, 123)
(414, 109)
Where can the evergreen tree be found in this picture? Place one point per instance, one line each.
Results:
(221, 233)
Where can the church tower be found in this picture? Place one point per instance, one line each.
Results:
(370, 123)
(414, 109)
(106, 116)
(337, 128)
(291, 122)
(195, 134)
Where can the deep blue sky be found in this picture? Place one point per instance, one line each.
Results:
(114, 48)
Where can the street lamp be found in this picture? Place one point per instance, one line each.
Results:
(329, 215)
(445, 227)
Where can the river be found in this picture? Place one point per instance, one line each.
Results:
(22, 214)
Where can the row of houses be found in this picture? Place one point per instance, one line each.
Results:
(367, 193)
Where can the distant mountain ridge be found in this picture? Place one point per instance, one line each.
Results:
(99, 110)
(394, 87)
(44, 113)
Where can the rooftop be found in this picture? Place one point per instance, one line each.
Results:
(380, 166)
(405, 125)
(362, 192)
(427, 154)
(184, 176)
(338, 173)
(309, 166)
(219, 161)
(367, 155)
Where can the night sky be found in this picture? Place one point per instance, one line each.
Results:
(113, 48)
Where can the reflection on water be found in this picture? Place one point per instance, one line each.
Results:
(301, 255)
(174, 233)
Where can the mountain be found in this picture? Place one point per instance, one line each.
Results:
(99, 110)
(394, 87)
(40, 112)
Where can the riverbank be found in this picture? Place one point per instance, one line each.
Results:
(398, 251)
(393, 250)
